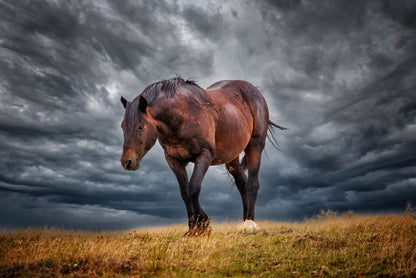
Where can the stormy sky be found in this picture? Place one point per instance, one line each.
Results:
(341, 75)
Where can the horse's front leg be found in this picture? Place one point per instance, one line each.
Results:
(199, 220)
(179, 169)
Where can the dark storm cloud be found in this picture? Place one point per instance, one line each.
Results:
(354, 69)
(404, 12)
(340, 75)
(209, 24)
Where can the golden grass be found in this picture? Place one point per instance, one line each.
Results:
(348, 245)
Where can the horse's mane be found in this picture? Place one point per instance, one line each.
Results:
(168, 87)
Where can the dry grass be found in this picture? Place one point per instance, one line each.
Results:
(349, 245)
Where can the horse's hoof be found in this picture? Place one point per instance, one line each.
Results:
(248, 226)
(198, 232)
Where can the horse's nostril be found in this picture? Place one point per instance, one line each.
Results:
(128, 163)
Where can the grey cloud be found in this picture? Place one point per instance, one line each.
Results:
(349, 135)
(209, 24)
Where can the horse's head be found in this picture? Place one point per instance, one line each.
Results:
(139, 134)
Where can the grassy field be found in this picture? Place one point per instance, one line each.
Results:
(349, 245)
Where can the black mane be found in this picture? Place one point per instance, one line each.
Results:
(167, 87)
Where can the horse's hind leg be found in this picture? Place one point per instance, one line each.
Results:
(235, 169)
(253, 152)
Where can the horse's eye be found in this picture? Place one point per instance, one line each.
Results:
(140, 127)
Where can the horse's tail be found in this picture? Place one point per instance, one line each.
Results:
(271, 135)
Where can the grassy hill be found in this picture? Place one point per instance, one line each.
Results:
(348, 245)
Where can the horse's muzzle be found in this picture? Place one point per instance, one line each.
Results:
(130, 164)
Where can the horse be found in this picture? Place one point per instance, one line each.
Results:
(204, 127)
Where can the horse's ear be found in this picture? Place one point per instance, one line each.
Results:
(124, 102)
(142, 104)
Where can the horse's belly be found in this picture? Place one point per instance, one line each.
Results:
(225, 156)
(230, 149)
(231, 138)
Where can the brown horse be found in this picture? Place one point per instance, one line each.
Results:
(206, 127)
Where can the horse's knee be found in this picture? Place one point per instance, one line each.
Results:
(253, 187)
